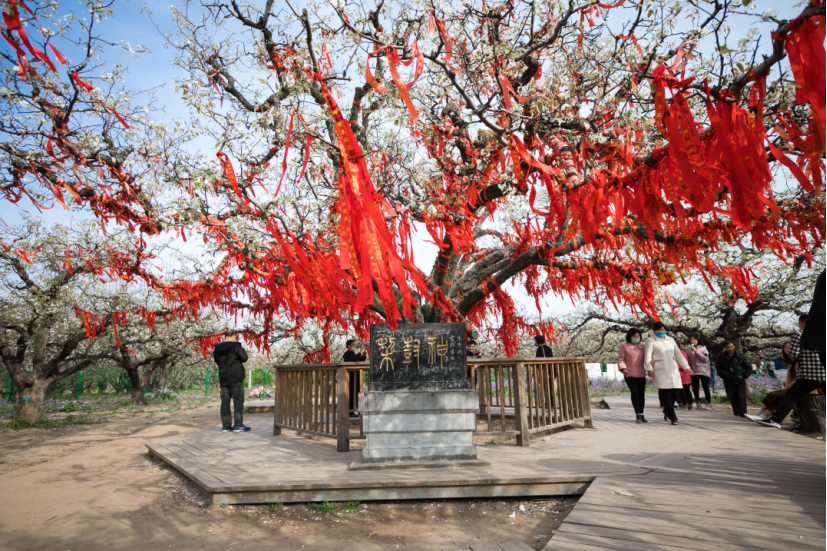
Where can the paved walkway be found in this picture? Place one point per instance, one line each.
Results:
(714, 482)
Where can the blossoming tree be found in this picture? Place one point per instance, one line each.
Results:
(598, 150)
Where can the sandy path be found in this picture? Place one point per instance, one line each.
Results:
(87, 488)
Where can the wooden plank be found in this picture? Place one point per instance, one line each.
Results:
(554, 393)
(342, 441)
(701, 533)
(699, 495)
(691, 517)
(501, 394)
(548, 391)
(768, 511)
(277, 395)
(607, 543)
(516, 545)
(520, 414)
(486, 547)
(532, 396)
(645, 537)
(568, 546)
(489, 399)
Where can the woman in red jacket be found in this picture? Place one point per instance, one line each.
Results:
(630, 363)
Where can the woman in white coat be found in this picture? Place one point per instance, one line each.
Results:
(661, 356)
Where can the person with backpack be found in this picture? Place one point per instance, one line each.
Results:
(230, 357)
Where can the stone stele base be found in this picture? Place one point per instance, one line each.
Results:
(419, 425)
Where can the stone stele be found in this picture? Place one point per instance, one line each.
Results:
(420, 406)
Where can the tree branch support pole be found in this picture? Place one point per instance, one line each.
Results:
(207, 383)
(276, 404)
(520, 404)
(342, 410)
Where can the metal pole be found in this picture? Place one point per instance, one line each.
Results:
(207, 383)
(8, 389)
(80, 382)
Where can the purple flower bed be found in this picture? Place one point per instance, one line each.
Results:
(602, 386)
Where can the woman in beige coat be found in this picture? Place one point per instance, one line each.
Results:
(661, 356)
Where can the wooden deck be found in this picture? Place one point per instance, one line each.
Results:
(257, 467)
(713, 482)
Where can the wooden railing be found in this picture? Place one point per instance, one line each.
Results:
(537, 394)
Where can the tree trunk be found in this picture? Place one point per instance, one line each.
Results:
(812, 413)
(30, 407)
(163, 376)
(136, 390)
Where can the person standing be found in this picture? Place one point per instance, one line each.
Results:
(807, 348)
(699, 362)
(543, 350)
(662, 357)
(352, 355)
(734, 369)
(230, 357)
(630, 363)
(685, 395)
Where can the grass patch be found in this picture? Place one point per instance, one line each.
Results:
(329, 507)
(205, 504)
(275, 505)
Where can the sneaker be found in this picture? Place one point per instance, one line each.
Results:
(769, 423)
(241, 428)
(755, 418)
(226, 430)
(354, 415)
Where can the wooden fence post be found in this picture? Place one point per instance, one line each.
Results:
(342, 410)
(588, 423)
(520, 404)
(276, 404)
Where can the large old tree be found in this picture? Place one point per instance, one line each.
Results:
(599, 150)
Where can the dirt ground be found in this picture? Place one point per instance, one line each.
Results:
(93, 487)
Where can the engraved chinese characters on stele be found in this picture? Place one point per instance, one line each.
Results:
(426, 356)
(386, 346)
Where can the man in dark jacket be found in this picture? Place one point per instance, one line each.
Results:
(230, 357)
(543, 350)
(734, 369)
(352, 355)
